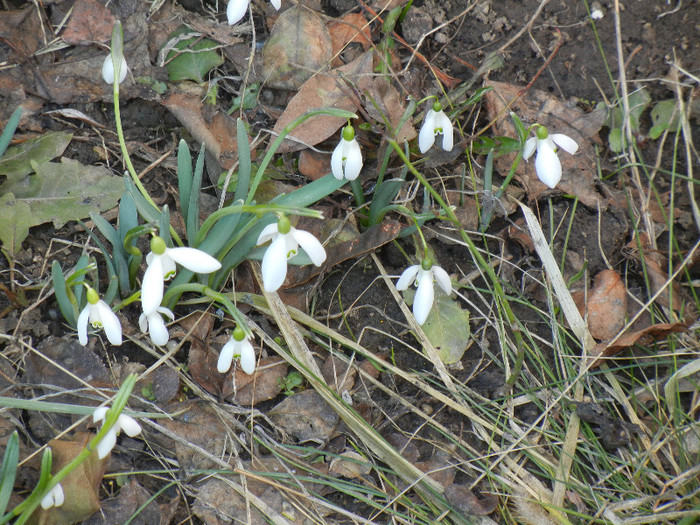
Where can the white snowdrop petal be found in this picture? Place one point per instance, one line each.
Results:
(423, 300)
(108, 70)
(226, 357)
(407, 277)
(426, 136)
(152, 285)
(99, 414)
(105, 446)
(269, 232)
(82, 325)
(353, 162)
(547, 166)
(236, 10)
(166, 312)
(47, 501)
(129, 425)
(157, 329)
(276, 4)
(565, 142)
(247, 357)
(143, 323)
(58, 495)
(442, 278)
(110, 323)
(337, 160)
(444, 122)
(530, 146)
(274, 264)
(312, 246)
(194, 260)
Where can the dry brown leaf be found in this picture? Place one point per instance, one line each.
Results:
(324, 90)
(199, 424)
(299, 46)
(89, 22)
(641, 337)
(264, 384)
(81, 488)
(306, 416)
(606, 308)
(207, 124)
(338, 374)
(314, 164)
(579, 171)
(389, 105)
(349, 28)
(350, 465)
(129, 501)
(468, 503)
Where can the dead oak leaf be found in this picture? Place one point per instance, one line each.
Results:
(323, 90)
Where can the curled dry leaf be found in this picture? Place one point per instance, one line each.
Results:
(642, 337)
(323, 90)
(606, 308)
(207, 124)
(351, 27)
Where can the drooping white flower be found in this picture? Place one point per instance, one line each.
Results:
(285, 244)
(53, 498)
(161, 266)
(436, 122)
(108, 70)
(152, 322)
(236, 9)
(126, 423)
(99, 314)
(423, 275)
(238, 347)
(547, 164)
(346, 161)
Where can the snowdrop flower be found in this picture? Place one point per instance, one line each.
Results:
(161, 266)
(152, 322)
(99, 314)
(423, 274)
(547, 163)
(436, 122)
(54, 498)
(239, 346)
(126, 423)
(346, 161)
(237, 9)
(286, 240)
(108, 70)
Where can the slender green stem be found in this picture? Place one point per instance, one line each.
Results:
(127, 159)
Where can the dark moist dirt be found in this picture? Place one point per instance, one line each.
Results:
(351, 298)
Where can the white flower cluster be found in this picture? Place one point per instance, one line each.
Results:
(126, 423)
(161, 266)
(423, 276)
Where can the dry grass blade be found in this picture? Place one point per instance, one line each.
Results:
(300, 356)
(579, 327)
